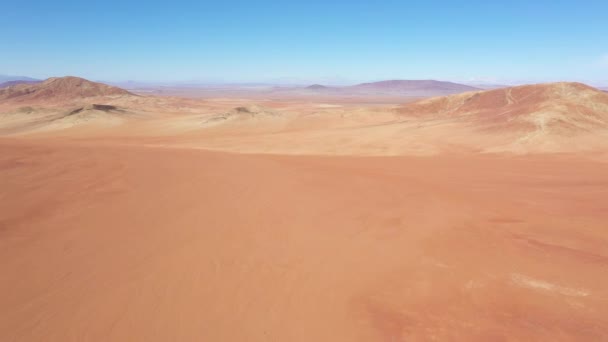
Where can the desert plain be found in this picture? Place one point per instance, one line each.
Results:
(303, 215)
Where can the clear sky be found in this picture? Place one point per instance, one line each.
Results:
(242, 41)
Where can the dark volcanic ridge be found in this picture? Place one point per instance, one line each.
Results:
(97, 107)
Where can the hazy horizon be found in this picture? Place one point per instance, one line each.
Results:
(298, 82)
(315, 42)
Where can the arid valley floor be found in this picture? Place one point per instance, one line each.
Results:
(303, 216)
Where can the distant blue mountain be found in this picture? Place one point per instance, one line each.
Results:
(8, 78)
(12, 83)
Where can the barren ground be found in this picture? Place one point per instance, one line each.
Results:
(107, 242)
(133, 219)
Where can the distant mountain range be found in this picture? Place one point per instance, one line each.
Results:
(408, 86)
(412, 88)
(387, 88)
(316, 87)
(13, 83)
(9, 78)
(391, 88)
(553, 117)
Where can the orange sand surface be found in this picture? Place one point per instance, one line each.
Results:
(110, 242)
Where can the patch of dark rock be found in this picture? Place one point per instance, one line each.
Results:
(76, 111)
(105, 108)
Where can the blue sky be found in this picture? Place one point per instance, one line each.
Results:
(242, 41)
